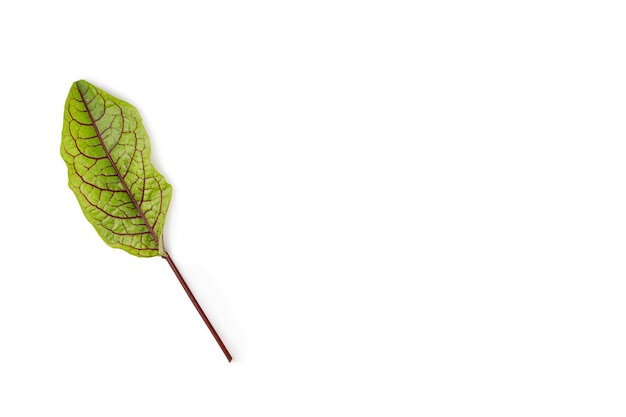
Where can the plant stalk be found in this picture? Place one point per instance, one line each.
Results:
(195, 303)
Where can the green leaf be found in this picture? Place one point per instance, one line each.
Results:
(107, 152)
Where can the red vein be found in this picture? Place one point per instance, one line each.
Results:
(117, 171)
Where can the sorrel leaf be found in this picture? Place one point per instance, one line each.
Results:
(107, 152)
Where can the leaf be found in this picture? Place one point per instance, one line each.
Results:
(107, 152)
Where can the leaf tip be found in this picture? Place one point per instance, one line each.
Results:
(82, 85)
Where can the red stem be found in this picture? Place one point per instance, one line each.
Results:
(169, 260)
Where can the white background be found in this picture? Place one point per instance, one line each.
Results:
(387, 208)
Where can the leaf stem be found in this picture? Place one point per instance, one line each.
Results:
(195, 303)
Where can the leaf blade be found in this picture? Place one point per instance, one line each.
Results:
(107, 152)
